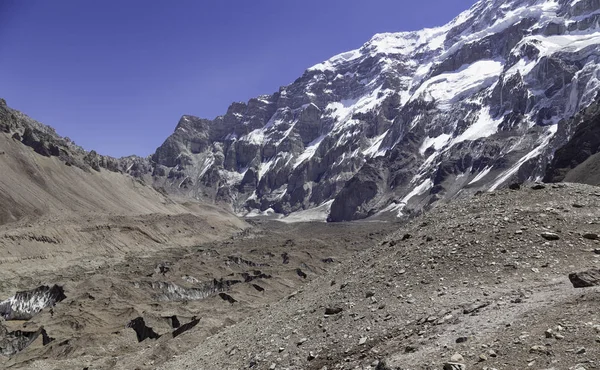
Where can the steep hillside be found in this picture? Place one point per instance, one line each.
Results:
(404, 121)
(482, 283)
(61, 206)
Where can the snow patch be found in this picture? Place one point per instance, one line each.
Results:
(437, 142)
(534, 153)
(318, 213)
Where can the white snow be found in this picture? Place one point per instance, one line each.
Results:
(566, 43)
(256, 137)
(374, 150)
(266, 166)
(534, 153)
(418, 190)
(437, 142)
(310, 150)
(484, 126)
(544, 11)
(318, 213)
(481, 175)
(447, 88)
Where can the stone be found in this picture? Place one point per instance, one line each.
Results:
(457, 357)
(538, 187)
(549, 236)
(333, 310)
(539, 349)
(585, 279)
(454, 366)
(591, 236)
(514, 186)
(362, 341)
(461, 339)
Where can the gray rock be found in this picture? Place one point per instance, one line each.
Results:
(585, 279)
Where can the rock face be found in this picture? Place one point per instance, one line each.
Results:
(406, 120)
(578, 160)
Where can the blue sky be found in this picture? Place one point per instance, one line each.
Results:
(116, 75)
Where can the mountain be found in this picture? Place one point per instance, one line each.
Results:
(406, 120)
(63, 207)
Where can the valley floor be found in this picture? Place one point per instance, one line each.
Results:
(474, 281)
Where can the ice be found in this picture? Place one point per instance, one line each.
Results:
(447, 88)
(437, 142)
(484, 126)
(318, 213)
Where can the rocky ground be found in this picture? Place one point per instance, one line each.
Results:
(172, 299)
(474, 282)
(480, 283)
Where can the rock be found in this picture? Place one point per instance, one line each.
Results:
(514, 186)
(141, 330)
(549, 236)
(461, 339)
(457, 357)
(591, 236)
(302, 341)
(580, 351)
(369, 294)
(454, 366)
(362, 341)
(482, 357)
(492, 353)
(311, 356)
(538, 187)
(539, 349)
(333, 310)
(585, 279)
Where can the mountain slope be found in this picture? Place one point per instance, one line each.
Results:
(408, 119)
(66, 207)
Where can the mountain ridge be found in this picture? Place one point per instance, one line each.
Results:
(405, 121)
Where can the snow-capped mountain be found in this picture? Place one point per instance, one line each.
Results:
(407, 119)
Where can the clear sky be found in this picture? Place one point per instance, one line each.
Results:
(116, 75)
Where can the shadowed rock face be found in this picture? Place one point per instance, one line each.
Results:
(142, 331)
(583, 145)
(24, 305)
